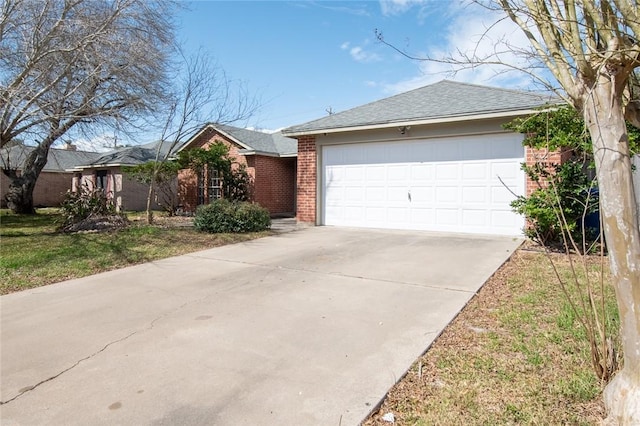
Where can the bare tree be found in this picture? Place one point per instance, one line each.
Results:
(71, 64)
(202, 93)
(591, 49)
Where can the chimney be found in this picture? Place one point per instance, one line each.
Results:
(70, 147)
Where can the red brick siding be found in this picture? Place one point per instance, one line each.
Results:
(49, 191)
(306, 180)
(275, 183)
(188, 179)
(547, 158)
(188, 190)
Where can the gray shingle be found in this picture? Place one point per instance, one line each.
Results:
(130, 155)
(270, 143)
(58, 160)
(444, 99)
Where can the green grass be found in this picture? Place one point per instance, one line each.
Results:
(530, 365)
(33, 254)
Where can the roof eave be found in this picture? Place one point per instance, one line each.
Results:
(247, 152)
(217, 129)
(438, 120)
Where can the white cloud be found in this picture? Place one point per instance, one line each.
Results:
(480, 34)
(100, 143)
(398, 7)
(360, 55)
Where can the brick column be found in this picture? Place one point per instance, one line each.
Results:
(307, 175)
(548, 159)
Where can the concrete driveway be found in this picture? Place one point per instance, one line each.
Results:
(304, 328)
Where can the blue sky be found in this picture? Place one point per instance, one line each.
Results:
(303, 58)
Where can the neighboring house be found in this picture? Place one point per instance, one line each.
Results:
(434, 158)
(54, 180)
(106, 172)
(269, 158)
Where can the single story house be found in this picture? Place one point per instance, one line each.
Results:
(435, 158)
(269, 158)
(105, 172)
(55, 178)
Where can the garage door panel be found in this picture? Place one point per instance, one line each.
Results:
(474, 171)
(447, 171)
(475, 195)
(446, 217)
(475, 218)
(446, 194)
(422, 172)
(398, 216)
(425, 194)
(448, 184)
(397, 195)
(422, 217)
(354, 194)
(353, 213)
(397, 172)
(501, 195)
(376, 173)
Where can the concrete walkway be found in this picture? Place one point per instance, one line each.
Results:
(303, 328)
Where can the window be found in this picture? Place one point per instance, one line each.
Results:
(215, 188)
(101, 179)
(209, 185)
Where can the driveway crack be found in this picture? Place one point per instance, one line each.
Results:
(31, 388)
(150, 326)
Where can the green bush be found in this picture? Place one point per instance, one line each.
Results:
(566, 199)
(231, 216)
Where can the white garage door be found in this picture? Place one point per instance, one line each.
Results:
(460, 184)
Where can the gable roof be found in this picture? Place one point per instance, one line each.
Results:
(438, 102)
(252, 141)
(58, 160)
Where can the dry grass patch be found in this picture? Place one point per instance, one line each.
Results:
(515, 355)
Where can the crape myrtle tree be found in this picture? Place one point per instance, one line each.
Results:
(76, 64)
(590, 49)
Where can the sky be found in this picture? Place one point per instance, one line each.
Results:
(304, 59)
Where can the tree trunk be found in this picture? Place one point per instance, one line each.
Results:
(20, 193)
(603, 112)
(149, 198)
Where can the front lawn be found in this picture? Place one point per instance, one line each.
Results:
(515, 355)
(33, 254)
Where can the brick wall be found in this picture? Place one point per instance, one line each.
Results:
(306, 179)
(274, 183)
(49, 191)
(548, 158)
(273, 177)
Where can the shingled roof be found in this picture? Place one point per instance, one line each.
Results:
(128, 156)
(58, 160)
(442, 101)
(255, 142)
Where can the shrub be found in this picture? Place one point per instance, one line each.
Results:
(85, 202)
(562, 206)
(231, 216)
